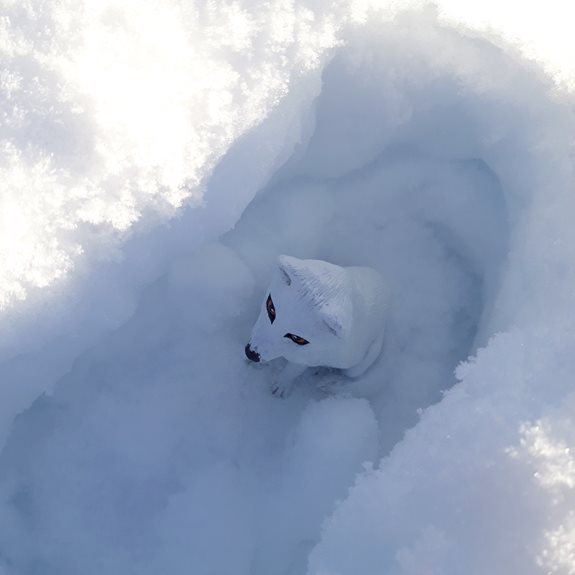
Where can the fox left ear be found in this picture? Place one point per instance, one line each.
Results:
(285, 264)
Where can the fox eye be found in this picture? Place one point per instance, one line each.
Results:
(270, 308)
(296, 339)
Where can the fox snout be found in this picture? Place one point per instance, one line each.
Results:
(251, 354)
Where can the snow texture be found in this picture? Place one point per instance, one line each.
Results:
(156, 158)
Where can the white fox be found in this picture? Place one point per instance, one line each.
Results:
(319, 314)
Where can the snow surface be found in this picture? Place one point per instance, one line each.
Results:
(156, 158)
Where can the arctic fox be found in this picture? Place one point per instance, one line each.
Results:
(319, 314)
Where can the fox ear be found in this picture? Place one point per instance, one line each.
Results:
(333, 324)
(285, 264)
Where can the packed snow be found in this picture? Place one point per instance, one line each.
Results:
(156, 160)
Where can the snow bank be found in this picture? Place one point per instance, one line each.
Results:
(439, 157)
(115, 115)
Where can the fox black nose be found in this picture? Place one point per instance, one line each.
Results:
(251, 354)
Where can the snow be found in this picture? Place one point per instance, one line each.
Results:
(156, 160)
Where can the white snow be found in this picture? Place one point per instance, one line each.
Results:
(156, 158)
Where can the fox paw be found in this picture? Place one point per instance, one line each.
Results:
(281, 388)
(283, 381)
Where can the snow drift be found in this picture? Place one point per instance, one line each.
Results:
(442, 159)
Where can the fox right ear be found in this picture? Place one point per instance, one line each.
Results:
(333, 324)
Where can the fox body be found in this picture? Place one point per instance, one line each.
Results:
(319, 314)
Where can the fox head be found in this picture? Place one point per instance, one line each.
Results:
(305, 314)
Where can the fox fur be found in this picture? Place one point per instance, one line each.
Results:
(323, 315)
